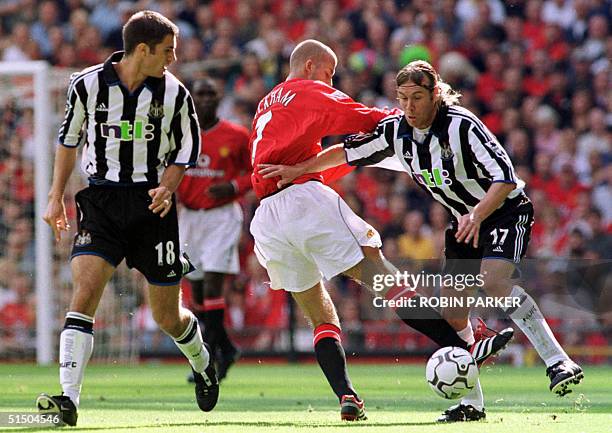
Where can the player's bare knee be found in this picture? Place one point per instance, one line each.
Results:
(495, 286)
(168, 322)
(85, 299)
(324, 317)
(371, 265)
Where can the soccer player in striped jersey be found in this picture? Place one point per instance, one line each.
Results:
(140, 131)
(455, 159)
(305, 231)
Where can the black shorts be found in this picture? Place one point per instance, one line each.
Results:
(502, 236)
(115, 223)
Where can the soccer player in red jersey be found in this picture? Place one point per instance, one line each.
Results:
(210, 220)
(305, 231)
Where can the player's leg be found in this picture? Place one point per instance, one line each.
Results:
(192, 232)
(154, 249)
(561, 370)
(471, 407)
(421, 316)
(504, 242)
(182, 325)
(424, 319)
(199, 296)
(96, 252)
(318, 307)
(89, 275)
(213, 315)
(212, 238)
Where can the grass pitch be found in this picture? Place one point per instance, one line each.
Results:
(296, 398)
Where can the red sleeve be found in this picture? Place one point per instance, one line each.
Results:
(345, 116)
(342, 115)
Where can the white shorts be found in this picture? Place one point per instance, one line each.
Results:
(307, 232)
(210, 238)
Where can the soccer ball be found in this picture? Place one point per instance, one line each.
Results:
(451, 372)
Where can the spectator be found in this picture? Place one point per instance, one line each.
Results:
(560, 12)
(489, 10)
(595, 45)
(416, 243)
(20, 47)
(547, 136)
(597, 138)
(47, 18)
(491, 80)
(107, 17)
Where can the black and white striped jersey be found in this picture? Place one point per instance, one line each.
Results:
(455, 161)
(129, 137)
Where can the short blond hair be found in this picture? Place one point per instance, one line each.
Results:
(310, 49)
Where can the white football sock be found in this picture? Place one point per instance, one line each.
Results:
(530, 320)
(76, 346)
(475, 397)
(467, 334)
(192, 345)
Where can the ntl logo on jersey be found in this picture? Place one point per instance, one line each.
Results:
(126, 130)
(436, 177)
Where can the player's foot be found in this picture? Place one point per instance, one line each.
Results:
(207, 385)
(562, 375)
(226, 360)
(58, 405)
(488, 342)
(352, 409)
(461, 412)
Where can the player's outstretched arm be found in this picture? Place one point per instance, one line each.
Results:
(55, 214)
(328, 158)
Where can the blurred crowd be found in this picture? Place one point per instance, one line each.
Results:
(537, 72)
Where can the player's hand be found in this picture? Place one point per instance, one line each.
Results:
(222, 190)
(469, 228)
(162, 200)
(286, 173)
(55, 216)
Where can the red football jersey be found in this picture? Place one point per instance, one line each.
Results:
(224, 157)
(292, 119)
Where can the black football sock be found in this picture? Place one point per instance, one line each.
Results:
(209, 333)
(225, 344)
(215, 322)
(425, 319)
(331, 358)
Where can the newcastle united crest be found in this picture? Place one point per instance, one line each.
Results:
(156, 110)
(446, 152)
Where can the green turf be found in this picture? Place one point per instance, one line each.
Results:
(287, 398)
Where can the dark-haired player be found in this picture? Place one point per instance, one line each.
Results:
(141, 132)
